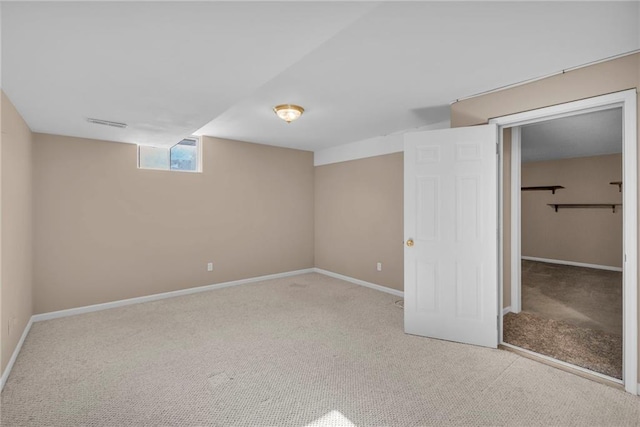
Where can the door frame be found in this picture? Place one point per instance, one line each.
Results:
(627, 101)
(516, 245)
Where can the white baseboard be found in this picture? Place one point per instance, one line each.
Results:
(506, 310)
(14, 356)
(164, 295)
(360, 282)
(572, 263)
(188, 291)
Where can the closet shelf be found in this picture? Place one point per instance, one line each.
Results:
(557, 206)
(619, 184)
(551, 188)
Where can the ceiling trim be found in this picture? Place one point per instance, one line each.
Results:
(566, 70)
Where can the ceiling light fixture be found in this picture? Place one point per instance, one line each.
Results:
(288, 112)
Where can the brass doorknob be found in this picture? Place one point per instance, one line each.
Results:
(410, 242)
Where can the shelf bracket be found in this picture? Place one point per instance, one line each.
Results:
(619, 184)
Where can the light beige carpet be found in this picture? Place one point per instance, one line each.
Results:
(302, 350)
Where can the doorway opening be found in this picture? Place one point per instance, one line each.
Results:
(569, 223)
(571, 242)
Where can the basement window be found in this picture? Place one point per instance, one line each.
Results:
(185, 156)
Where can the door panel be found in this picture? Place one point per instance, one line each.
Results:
(428, 202)
(451, 281)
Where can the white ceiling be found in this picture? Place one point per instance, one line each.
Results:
(584, 135)
(360, 69)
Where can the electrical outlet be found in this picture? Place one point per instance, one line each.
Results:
(210, 266)
(379, 266)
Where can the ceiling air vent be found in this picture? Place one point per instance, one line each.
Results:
(107, 123)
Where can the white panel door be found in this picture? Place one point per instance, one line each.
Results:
(450, 230)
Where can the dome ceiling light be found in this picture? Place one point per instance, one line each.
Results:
(288, 112)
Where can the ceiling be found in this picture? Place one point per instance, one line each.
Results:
(583, 135)
(360, 69)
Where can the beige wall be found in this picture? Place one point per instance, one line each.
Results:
(16, 242)
(106, 230)
(592, 236)
(599, 79)
(359, 219)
